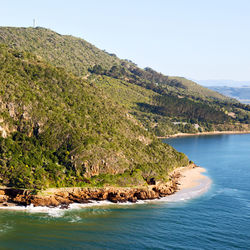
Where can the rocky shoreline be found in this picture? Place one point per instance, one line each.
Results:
(63, 197)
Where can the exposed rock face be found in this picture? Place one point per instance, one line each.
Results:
(85, 195)
(65, 196)
(3, 198)
(3, 132)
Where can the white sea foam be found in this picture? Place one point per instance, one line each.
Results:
(53, 212)
(75, 219)
(182, 195)
(190, 193)
(5, 228)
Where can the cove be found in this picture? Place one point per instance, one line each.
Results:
(218, 219)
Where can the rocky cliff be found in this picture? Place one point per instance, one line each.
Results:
(63, 197)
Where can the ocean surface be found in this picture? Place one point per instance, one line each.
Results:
(216, 219)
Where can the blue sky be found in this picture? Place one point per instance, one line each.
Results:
(198, 39)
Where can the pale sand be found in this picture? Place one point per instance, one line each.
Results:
(204, 133)
(191, 176)
(192, 183)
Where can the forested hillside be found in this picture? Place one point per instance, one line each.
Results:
(163, 104)
(60, 130)
(73, 115)
(79, 56)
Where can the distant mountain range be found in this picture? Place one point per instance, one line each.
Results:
(240, 93)
(239, 90)
(228, 83)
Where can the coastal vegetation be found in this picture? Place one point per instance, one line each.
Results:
(60, 130)
(184, 105)
(74, 115)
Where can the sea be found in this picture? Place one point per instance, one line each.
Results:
(215, 218)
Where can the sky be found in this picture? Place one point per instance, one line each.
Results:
(197, 39)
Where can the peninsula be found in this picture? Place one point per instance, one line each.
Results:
(84, 123)
(180, 179)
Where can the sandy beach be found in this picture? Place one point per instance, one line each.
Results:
(191, 183)
(204, 133)
(191, 177)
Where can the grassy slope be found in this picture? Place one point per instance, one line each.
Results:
(195, 88)
(76, 54)
(64, 131)
(134, 87)
(69, 52)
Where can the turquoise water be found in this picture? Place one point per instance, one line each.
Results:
(218, 219)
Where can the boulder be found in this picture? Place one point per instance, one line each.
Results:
(2, 192)
(3, 198)
(44, 201)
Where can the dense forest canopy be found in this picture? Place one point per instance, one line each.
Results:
(60, 130)
(72, 114)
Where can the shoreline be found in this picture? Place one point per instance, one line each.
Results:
(184, 182)
(190, 177)
(204, 133)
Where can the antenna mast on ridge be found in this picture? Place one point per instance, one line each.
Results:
(34, 23)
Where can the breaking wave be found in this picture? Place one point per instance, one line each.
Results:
(182, 195)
